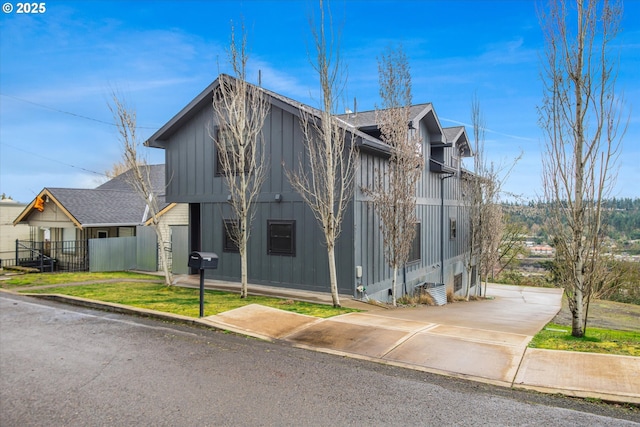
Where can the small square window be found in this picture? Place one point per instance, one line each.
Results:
(230, 227)
(281, 237)
(452, 228)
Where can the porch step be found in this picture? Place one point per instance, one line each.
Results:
(22, 269)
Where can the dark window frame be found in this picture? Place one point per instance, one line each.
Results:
(457, 282)
(219, 168)
(416, 245)
(271, 250)
(228, 245)
(453, 232)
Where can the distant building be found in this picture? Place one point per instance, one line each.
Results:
(542, 250)
(9, 210)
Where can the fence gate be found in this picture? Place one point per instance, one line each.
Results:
(147, 249)
(180, 249)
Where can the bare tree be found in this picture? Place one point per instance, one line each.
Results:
(241, 110)
(117, 168)
(476, 187)
(325, 180)
(394, 192)
(139, 172)
(483, 190)
(510, 247)
(581, 116)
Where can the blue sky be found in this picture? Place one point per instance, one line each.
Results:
(58, 68)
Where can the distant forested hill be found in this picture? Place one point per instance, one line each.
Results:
(621, 217)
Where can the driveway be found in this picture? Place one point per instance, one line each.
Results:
(484, 339)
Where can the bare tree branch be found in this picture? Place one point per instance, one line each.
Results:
(483, 190)
(240, 109)
(394, 191)
(325, 178)
(581, 115)
(139, 172)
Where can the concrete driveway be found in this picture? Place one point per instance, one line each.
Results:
(483, 339)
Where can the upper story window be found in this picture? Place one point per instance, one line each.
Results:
(229, 160)
(452, 228)
(455, 162)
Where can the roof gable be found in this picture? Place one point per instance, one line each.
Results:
(113, 203)
(457, 135)
(205, 98)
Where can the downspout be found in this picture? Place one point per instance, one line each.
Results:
(442, 229)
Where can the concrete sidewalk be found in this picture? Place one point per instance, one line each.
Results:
(483, 341)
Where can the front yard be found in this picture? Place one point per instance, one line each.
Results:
(149, 292)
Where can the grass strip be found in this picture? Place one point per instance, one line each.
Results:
(607, 341)
(184, 301)
(43, 279)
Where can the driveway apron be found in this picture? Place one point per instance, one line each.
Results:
(485, 339)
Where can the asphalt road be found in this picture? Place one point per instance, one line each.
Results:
(71, 366)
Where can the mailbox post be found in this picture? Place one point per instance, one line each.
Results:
(203, 261)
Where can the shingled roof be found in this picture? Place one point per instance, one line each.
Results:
(113, 203)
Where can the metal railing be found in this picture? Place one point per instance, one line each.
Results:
(53, 256)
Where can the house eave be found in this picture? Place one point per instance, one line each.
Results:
(157, 140)
(111, 224)
(440, 168)
(45, 192)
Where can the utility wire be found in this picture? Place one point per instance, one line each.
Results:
(68, 112)
(50, 159)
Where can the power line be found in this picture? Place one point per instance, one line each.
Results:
(50, 159)
(69, 113)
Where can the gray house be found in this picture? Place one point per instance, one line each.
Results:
(286, 244)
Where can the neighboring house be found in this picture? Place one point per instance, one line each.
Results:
(9, 233)
(286, 244)
(67, 217)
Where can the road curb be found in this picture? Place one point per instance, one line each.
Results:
(210, 323)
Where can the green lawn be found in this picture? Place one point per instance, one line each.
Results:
(42, 279)
(184, 301)
(608, 341)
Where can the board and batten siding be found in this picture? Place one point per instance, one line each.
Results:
(191, 178)
(432, 191)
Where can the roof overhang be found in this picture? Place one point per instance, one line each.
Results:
(45, 194)
(203, 99)
(437, 167)
(162, 212)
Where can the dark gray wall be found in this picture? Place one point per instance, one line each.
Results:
(431, 192)
(190, 163)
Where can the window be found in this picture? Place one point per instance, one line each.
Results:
(414, 252)
(281, 237)
(230, 227)
(457, 282)
(474, 275)
(455, 162)
(223, 139)
(69, 240)
(103, 234)
(452, 228)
